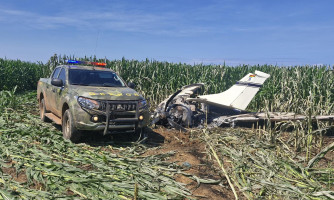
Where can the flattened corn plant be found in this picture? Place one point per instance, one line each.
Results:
(261, 170)
(37, 163)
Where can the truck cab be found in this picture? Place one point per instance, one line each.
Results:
(81, 98)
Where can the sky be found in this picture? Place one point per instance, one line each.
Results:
(234, 32)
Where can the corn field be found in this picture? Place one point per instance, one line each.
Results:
(275, 161)
(23, 75)
(300, 89)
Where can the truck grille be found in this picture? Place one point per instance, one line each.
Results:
(121, 112)
(119, 106)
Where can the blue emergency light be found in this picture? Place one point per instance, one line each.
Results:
(73, 61)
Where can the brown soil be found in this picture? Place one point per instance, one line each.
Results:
(190, 154)
(328, 160)
(18, 177)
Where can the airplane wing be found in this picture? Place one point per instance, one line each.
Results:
(239, 95)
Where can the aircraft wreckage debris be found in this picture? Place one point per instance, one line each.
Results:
(186, 108)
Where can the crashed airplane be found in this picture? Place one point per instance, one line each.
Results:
(185, 108)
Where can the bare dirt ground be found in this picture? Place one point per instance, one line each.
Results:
(191, 154)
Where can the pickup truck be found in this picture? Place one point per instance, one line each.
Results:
(90, 98)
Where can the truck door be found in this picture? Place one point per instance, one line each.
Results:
(50, 94)
(60, 93)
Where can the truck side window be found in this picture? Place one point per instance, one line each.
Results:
(55, 73)
(62, 76)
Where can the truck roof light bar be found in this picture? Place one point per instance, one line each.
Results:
(86, 63)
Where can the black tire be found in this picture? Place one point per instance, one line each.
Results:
(68, 128)
(42, 111)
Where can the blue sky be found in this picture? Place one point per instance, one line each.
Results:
(285, 32)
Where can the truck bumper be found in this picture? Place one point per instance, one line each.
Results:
(107, 122)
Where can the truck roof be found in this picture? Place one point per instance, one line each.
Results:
(86, 67)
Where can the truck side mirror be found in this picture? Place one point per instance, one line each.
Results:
(131, 85)
(57, 82)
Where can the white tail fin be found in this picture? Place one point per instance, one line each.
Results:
(239, 95)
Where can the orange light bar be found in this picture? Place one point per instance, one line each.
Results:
(100, 64)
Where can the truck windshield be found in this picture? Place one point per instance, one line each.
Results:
(94, 78)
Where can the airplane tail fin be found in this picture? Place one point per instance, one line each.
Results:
(239, 95)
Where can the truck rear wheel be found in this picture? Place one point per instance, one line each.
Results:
(42, 111)
(68, 128)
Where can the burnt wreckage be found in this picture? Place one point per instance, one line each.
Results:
(186, 108)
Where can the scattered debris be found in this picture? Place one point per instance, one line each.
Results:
(186, 165)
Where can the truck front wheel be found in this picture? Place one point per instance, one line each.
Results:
(42, 111)
(69, 130)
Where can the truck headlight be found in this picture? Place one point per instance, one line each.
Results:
(142, 104)
(88, 103)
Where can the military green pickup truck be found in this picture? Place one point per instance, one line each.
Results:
(90, 98)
